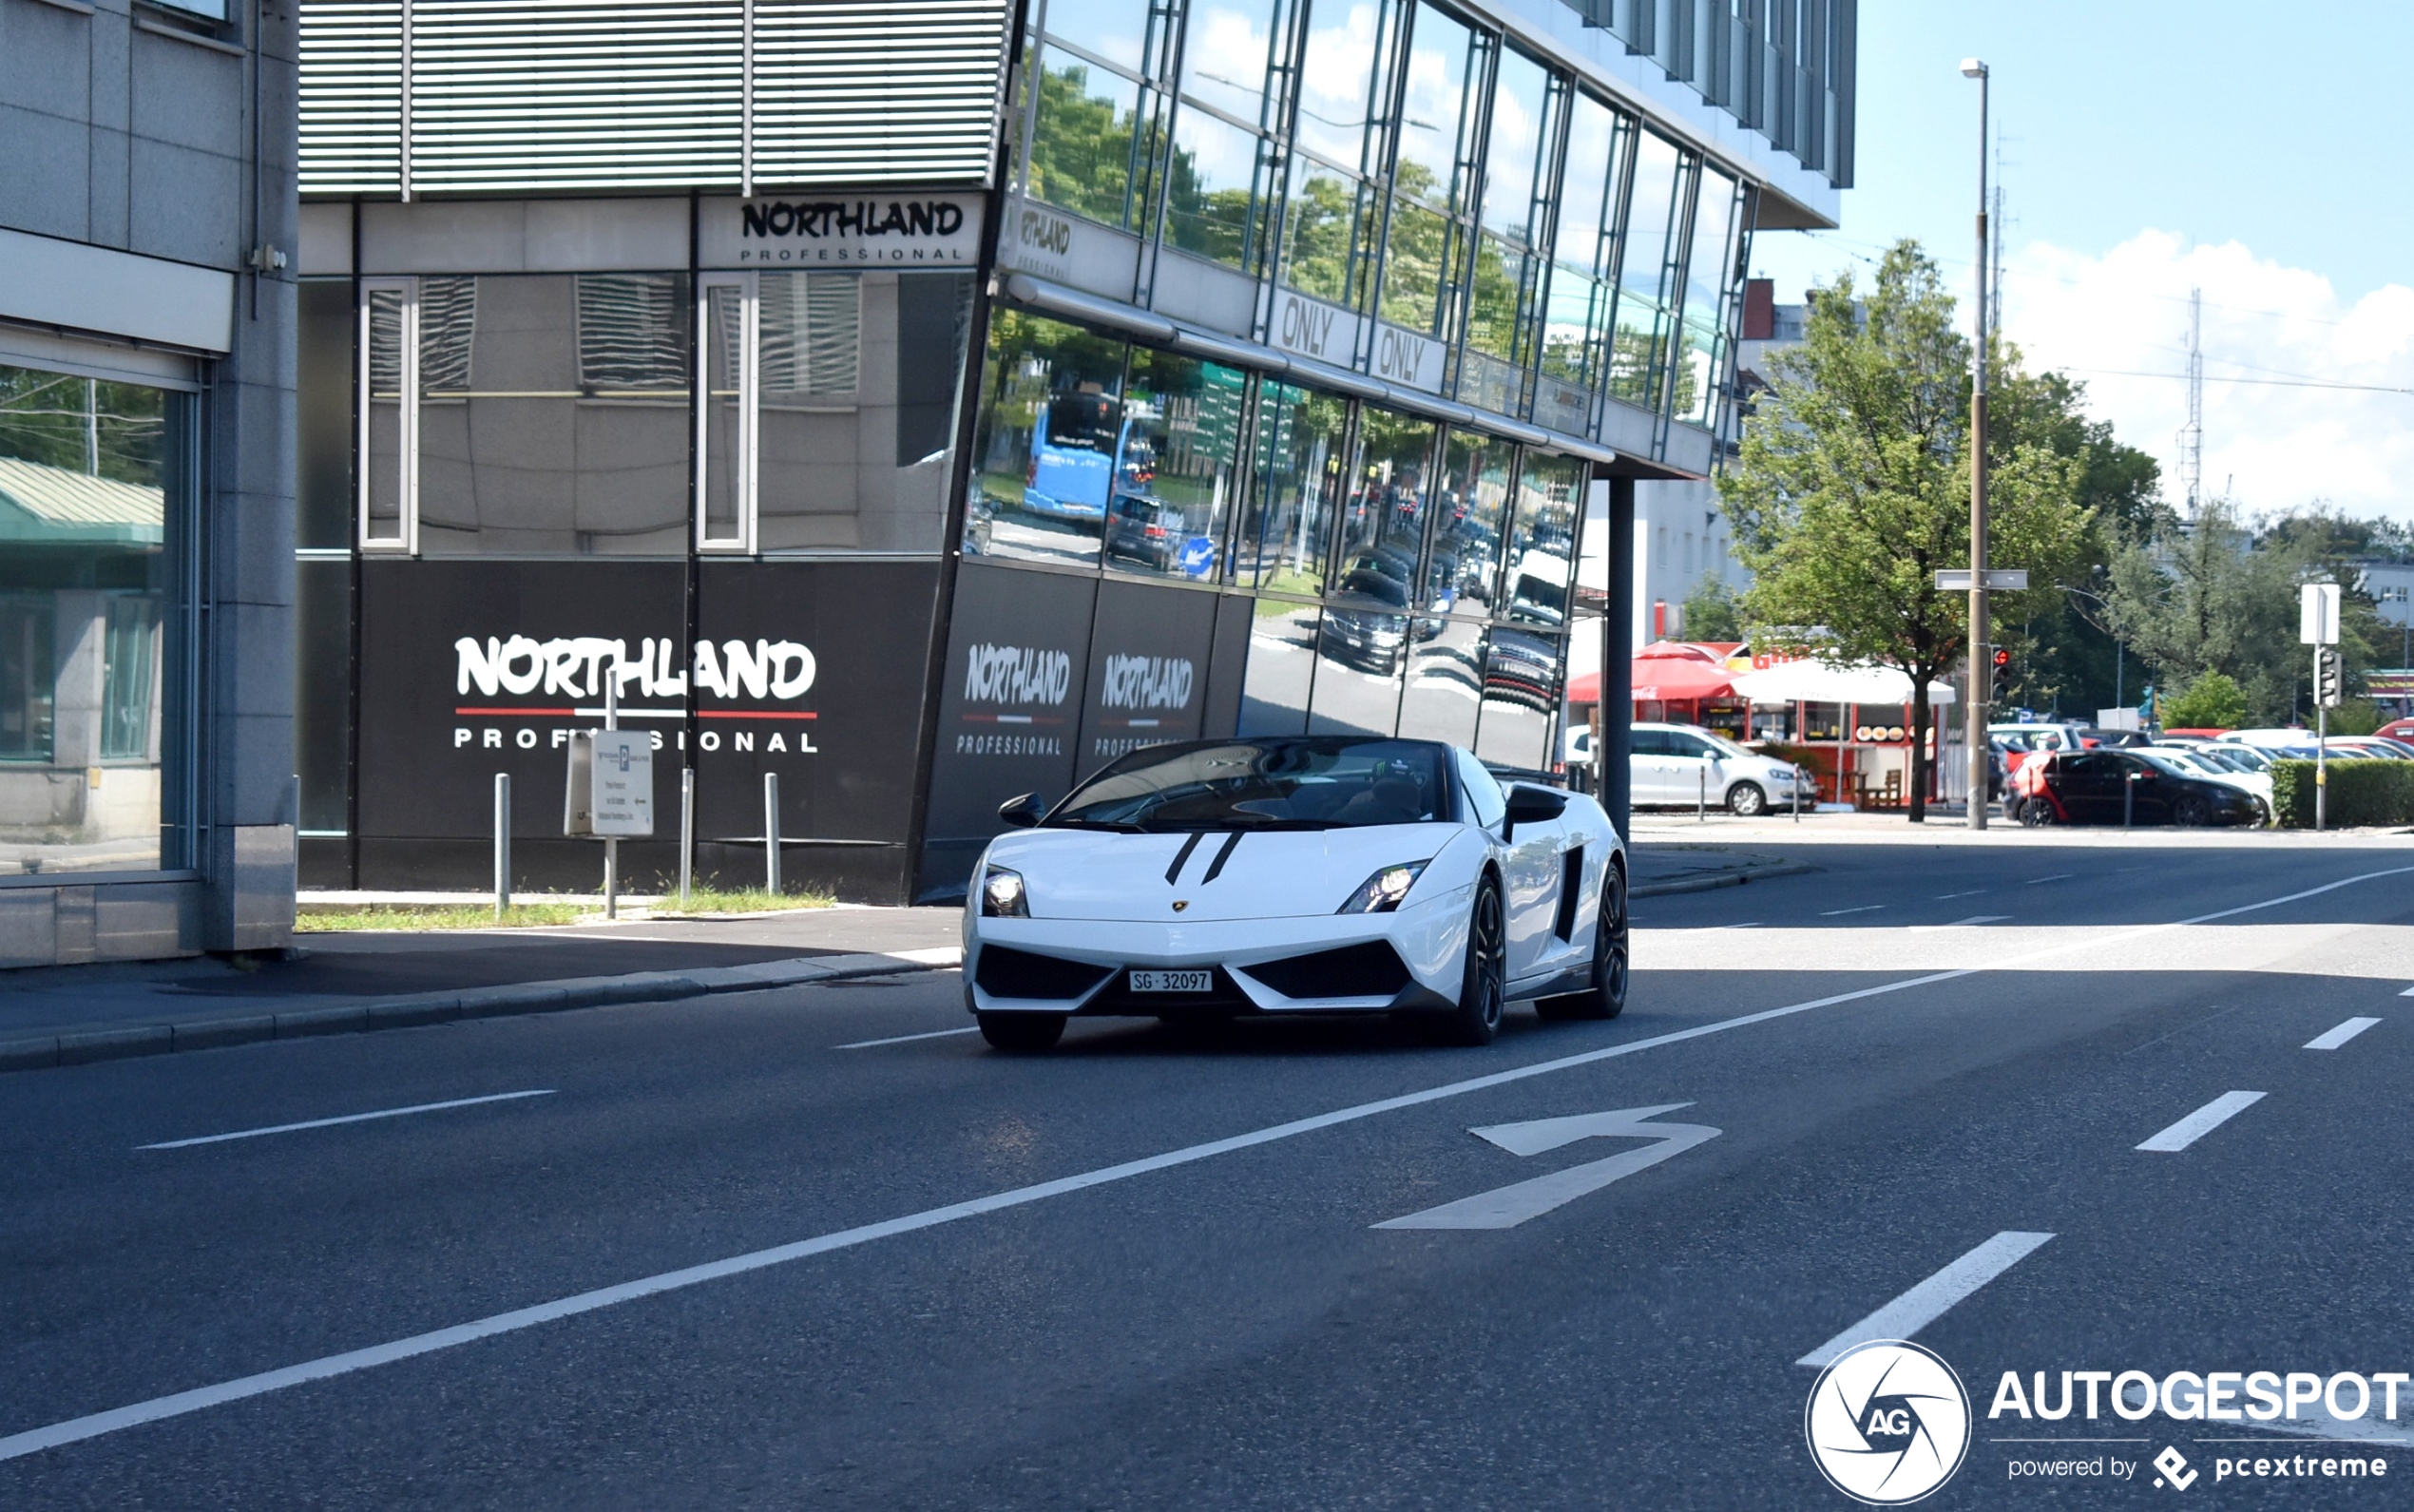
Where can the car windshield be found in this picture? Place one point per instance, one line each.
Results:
(1310, 783)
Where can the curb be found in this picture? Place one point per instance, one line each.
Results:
(118, 1043)
(1725, 879)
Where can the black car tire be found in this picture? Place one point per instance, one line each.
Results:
(1746, 800)
(1484, 989)
(2037, 813)
(2191, 812)
(1606, 997)
(1022, 1033)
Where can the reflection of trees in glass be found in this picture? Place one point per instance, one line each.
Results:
(1218, 224)
(1633, 352)
(1329, 236)
(1090, 154)
(1417, 263)
(1299, 467)
(1578, 307)
(114, 431)
(1492, 305)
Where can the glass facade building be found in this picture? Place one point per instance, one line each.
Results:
(1165, 370)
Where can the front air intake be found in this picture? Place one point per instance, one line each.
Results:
(1372, 969)
(1005, 973)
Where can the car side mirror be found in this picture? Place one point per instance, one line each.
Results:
(1532, 806)
(1021, 813)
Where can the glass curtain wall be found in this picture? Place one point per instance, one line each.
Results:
(1053, 436)
(1519, 171)
(1171, 504)
(95, 492)
(1302, 467)
(1717, 220)
(1432, 187)
(1219, 179)
(1335, 208)
(1099, 114)
(1647, 273)
(1584, 267)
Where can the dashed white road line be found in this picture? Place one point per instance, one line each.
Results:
(72, 1430)
(1923, 1303)
(2201, 1122)
(1947, 897)
(349, 1117)
(1957, 924)
(2407, 993)
(2059, 876)
(1866, 907)
(907, 1038)
(2332, 1039)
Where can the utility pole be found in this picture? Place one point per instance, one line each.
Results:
(2191, 437)
(1974, 708)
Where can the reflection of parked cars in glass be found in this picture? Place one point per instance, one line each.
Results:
(1142, 529)
(1522, 669)
(1363, 636)
(1538, 594)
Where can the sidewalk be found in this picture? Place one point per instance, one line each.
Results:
(346, 983)
(1663, 864)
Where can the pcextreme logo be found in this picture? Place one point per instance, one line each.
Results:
(1887, 1422)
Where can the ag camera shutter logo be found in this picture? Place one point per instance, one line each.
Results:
(1887, 1422)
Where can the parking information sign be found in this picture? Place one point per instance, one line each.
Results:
(611, 791)
(2318, 614)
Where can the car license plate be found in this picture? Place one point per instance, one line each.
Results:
(1173, 981)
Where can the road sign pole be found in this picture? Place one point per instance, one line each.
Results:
(502, 844)
(2321, 748)
(771, 832)
(611, 845)
(686, 832)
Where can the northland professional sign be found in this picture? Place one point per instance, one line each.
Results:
(470, 668)
(856, 230)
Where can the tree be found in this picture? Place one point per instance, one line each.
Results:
(2212, 701)
(1852, 486)
(1712, 612)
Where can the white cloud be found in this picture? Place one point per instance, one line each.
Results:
(2274, 445)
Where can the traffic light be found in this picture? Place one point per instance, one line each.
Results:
(2003, 685)
(2327, 682)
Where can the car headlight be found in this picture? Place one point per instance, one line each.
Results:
(1002, 895)
(1382, 893)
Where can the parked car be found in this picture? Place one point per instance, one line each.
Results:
(1685, 764)
(2398, 730)
(2101, 787)
(2222, 765)
(2269, 739)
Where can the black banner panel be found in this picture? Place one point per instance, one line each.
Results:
(811, 670)
(1148, 670)
(1009, 708)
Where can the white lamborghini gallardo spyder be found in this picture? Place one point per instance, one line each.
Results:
(1314, 874)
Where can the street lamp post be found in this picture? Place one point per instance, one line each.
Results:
(1975, 707)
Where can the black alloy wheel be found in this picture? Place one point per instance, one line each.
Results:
(1745, 800)
(2037, 813)
(1483, 991)
(1022, 1033)
(1606, 997)
(2191, 812)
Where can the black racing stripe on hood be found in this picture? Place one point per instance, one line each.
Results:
(1216, 865)
(1180, 857)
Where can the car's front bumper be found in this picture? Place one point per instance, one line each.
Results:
(1427, 936)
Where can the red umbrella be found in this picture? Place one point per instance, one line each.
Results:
(1668, 679)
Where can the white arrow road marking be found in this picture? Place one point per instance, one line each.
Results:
(2341, 1035)
(1506, 1207)
(1929, 1301)
(2201, 1122)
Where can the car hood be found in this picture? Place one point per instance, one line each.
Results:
(1267, 875)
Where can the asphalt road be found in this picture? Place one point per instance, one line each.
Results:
(1205, 1315)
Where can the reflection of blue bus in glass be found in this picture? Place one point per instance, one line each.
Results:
(1084, 449)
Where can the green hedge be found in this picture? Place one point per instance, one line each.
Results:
(2361, 793)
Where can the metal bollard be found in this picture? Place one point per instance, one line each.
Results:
(502, 844)
(771, 833)
(1701, 794)
(686, 831)
(1798, 774)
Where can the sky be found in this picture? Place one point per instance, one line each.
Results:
(2149, 147)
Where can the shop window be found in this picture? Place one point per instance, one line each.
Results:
(1329, 234)
(1094, 130)
(389, 348)
(1217, 187)
(1431, 185)
(1301, 472)
(1281, 670)
(1361, 655)
(1445, 682)
(1541, 555)
(1522, 671)
(1647, 279)
(1054, 435)
(1707, 274)
(1418, 267)
(95, 478)
(326, 343)
(1383, 526)
(1170, 505)
(827, 417)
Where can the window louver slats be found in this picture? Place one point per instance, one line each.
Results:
(533, 94)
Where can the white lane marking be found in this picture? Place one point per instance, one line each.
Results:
(2341, 1035)
(1947, 897)
(1923, 1303)
(2059, 876)
(1866, 907)
(2201, 1122)
(1975, 918)
(1754, 925)
(1506, 1207)
(75, 1429)
(907, 1038)
(2407, 993)
(349, 1117)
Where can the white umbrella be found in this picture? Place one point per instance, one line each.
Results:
(1823, 682)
